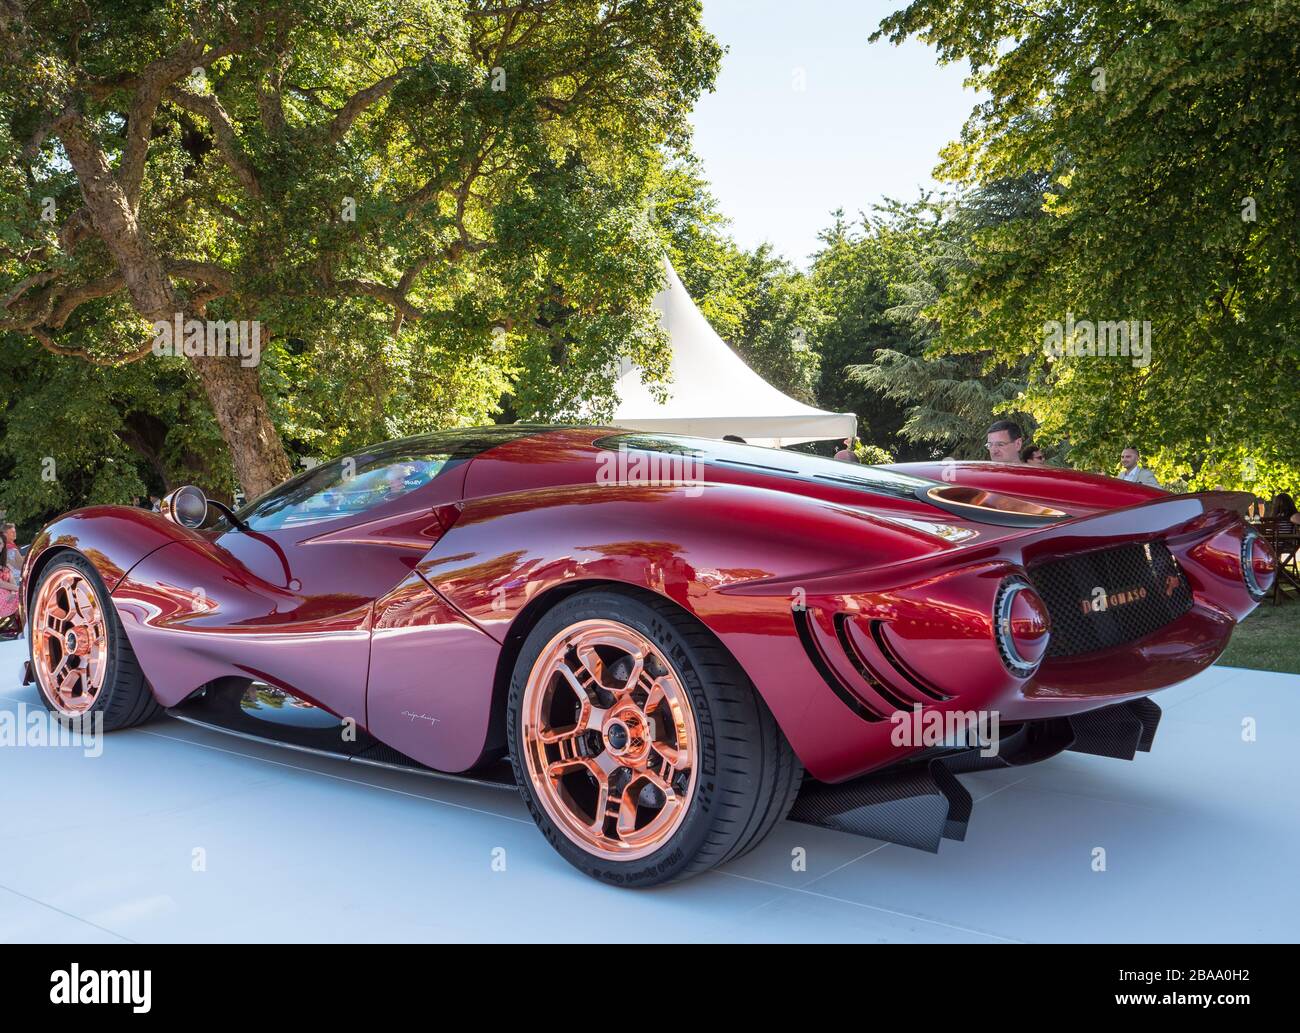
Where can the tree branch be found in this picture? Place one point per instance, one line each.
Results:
(270, 102)
(223, 132)
(391, 296)
(115, 222)
(358, 103)
(151, 83)
(495, 12)
(49, 344)
(69, 301)
(38, 279)
(197, 269)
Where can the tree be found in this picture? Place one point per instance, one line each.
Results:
(417, 199)
(1167, 136)
(857, 275)
(948, 400)
(72, 432)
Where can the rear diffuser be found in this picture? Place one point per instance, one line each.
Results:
(921, 803)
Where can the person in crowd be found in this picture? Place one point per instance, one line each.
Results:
(1004, 441)
(1131, 460)
(1284, 509)
(1032, 455)
(847, 454)
(12, 557)
(11, 567)
(8, 603)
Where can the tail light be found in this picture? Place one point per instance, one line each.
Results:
(1258, 565)
(1021, 626)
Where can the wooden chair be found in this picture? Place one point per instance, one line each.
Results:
(1284, 537)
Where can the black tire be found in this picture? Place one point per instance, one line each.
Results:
(748, 775)
(125, 698)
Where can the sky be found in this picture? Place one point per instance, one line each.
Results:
(867, 123)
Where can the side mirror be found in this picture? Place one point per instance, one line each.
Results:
(187, 506)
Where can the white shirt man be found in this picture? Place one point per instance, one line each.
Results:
(1133, 470)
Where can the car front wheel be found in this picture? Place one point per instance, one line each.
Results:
(80, 655)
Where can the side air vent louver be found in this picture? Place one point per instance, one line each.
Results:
(868, 668)
(860, 664)
(896, 662)
(808, 638)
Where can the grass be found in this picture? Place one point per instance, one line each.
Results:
(1267, 640)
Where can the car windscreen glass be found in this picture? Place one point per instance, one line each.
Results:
(343, 487)
(371, 477)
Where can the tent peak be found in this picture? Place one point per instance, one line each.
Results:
(713, 392)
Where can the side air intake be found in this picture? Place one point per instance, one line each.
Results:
(898, 664)
(803, 624)
(876, 697)
(845, 636)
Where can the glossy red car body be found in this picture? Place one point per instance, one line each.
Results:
(817, 586)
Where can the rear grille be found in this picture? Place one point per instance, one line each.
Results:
(1098, 600)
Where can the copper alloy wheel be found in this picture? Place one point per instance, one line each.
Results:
(69, 641)
(610, 740)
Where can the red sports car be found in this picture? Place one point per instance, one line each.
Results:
(669, 644)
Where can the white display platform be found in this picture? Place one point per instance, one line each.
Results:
(1201, 839)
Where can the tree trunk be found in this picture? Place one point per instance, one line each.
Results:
(233, 390)
(237, 402)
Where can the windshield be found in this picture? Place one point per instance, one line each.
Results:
(371, 477)
(343, 487)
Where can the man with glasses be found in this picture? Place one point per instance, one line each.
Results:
(1004, 440)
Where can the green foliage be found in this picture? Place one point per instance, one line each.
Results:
(1166, 135)
(950, 402)
(72, 433)
(877, 282)
(854, 273)
(872, 455)
(434, 208)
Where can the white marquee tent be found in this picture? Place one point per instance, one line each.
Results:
(713, 392)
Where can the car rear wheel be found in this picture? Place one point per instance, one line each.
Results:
(81, 658)
(641, 748)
